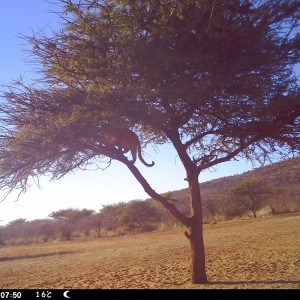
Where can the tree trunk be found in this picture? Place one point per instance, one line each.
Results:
(253, 209)
(198, 271)
(273, 209)
(194, 222)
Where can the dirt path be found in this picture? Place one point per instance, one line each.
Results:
(261, 253)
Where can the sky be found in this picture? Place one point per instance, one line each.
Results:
(82, 189)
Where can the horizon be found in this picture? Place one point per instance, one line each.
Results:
(176, 190)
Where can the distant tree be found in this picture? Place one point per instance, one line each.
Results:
(71, 215)
(210, 202)
(15, 229)
(77, 215)
(249, 195)
(62, 214)
(16, 222)
(66, 230)
(2, 236)
(214, 79)
(138, 214)
(97, 223)
(72, 219)
(47, 229)
(280, 199)
(109, 214)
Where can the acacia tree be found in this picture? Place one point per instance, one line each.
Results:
(214, 79)
(138, 214)
(249, 194)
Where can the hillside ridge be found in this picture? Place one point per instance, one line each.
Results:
(281, 173)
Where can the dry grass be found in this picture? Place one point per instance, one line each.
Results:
(262, 253)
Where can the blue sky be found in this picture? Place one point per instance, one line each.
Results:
(82, 189)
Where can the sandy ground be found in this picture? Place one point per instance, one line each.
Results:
(247, 254)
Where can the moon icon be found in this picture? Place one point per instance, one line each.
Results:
(66, 294)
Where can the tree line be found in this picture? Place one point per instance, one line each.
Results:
(239, 196)
(66, 224)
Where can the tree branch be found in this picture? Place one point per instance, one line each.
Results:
(148, 189)
(230, 155)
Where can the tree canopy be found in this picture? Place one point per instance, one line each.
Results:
(249, 195)
(213, 78)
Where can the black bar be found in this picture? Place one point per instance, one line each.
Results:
(199, 294)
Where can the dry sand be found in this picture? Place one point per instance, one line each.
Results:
(262, 253)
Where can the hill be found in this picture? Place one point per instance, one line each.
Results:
(284, 173)
(280, 180)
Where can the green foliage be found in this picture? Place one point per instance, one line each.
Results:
(110, 213)
(71, 215)
(137, 213)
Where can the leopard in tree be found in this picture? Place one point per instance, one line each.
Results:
(126, 141)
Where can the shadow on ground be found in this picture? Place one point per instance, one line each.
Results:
(35, 255)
